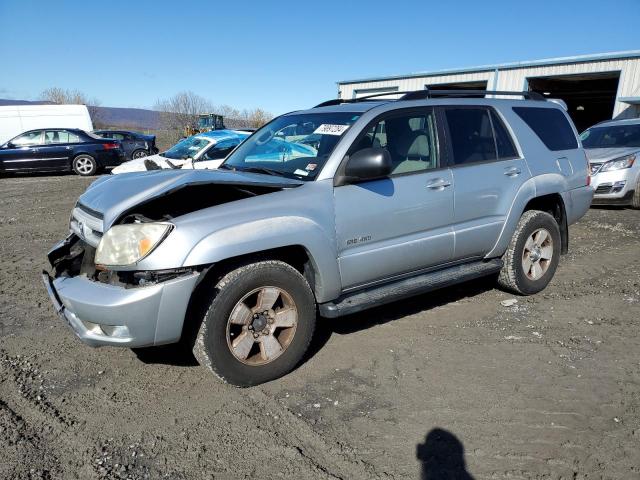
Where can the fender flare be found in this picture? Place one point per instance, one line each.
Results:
(271, 233)
(551, 183)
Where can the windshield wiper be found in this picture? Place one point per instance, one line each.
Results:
(266, 170)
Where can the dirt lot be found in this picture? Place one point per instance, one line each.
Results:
(547, 388)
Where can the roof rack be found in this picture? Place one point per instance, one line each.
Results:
(428, 93)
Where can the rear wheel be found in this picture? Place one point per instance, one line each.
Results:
(533, 254)
(259, 324)
(84, 165)
(139, 154)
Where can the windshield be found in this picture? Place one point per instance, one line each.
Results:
(618, 136)
(187, 148)
(295, 146)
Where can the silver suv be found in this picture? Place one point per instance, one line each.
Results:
(331, 210)
(612, 149)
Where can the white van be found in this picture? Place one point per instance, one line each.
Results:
(16, 119)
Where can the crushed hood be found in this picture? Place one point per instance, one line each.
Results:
(600, 155)
(112, 195)
(137, 165)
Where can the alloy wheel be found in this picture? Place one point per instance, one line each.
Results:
(84, 165)
(537, 254)
(262, 325)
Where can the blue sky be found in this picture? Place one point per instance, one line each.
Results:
(282, 55)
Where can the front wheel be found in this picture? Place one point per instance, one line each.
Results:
(533, 254)
(635, 200)
(84, 165)
(259, 324)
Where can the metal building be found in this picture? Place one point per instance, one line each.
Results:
(595, 87)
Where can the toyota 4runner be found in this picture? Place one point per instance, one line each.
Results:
(331, 210)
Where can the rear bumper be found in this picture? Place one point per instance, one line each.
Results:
(111, 158)
(577, 203)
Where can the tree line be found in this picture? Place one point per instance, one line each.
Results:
(178, 113)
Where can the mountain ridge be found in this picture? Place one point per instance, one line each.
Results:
(121, 117)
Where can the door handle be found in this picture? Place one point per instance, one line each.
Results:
(438, 184)
(512, 171)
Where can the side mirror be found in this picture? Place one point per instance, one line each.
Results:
(368, 164)
(8, 145)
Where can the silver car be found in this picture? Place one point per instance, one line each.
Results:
(612, 149)
(331, 210)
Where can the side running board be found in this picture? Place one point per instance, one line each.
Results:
(407, 287)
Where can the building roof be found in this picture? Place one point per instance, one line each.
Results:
(597, 57)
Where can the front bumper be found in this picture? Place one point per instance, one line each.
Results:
(615, 187)
(102, 314)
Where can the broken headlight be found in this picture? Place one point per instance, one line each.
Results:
(130, 243)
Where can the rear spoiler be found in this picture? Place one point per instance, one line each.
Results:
(559, 101)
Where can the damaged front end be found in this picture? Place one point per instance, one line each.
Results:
(112, 279)
(104, 307)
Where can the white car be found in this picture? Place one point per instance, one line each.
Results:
(204, 150)
(613, 148)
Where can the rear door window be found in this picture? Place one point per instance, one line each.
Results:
(60, 136)
(470, 135)
(550, 125)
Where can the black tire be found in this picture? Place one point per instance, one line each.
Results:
(513, 276)
(212, 347)
(635, 200)
(84, 165)
(139, 154)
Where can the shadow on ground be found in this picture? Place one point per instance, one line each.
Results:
(394, 311)
(179, 355)
(175, 355)
(442, 457)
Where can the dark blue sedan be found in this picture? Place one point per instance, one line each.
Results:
(134, 144)
(60, 149)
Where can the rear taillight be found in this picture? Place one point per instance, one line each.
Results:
(586, 159)
(110, 146)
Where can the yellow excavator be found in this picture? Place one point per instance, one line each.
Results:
(206, 123)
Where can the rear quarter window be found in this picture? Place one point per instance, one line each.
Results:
(551, 126)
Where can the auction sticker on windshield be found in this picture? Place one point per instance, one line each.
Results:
(328, 129)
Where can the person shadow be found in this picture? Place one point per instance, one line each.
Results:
(442, 457)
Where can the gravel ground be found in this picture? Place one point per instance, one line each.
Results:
(448, 383)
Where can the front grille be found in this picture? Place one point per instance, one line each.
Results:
(87, 224)
(604, 188)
